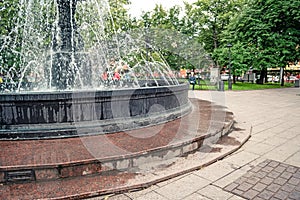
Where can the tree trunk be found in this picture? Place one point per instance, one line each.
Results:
(282, 77)
(215, 36)
(263, 75)
(266, 76)
(234, 77)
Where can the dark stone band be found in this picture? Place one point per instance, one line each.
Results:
(47, 115)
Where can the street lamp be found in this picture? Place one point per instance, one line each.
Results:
(229, 67)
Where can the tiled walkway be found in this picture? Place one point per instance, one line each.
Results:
(268, 180)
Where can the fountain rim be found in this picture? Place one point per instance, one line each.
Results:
(74, 123)
(58, 94)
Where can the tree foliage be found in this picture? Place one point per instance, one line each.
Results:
(119, 19)
(212, 18)
(268, 33)
(8, 18)
(264, 33)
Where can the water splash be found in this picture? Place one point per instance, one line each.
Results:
(63, 45)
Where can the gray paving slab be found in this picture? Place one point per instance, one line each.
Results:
(214, 192)
(184, 187)
(215, 171)
(294, 159)
(141, 193)
(196, 196)
(152, 196)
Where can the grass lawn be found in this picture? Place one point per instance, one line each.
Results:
(242, 86)
(251, 86)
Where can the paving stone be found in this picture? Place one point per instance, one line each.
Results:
(291, 169)
(250, 194)
(249, 174)
(195, 196)
(111, 197)
(241, 158)
(267, 161)
(152, 195)
(258, 198)
(231, 187)
(266, 180)
(297, 174)
(295, 158)
(281, 194)
(273, 187)
(241, 180)
(261, 174)
(264, 163)
(285, 166)
(235, 197)
(295, 195)
(244, 186)
(273, 164)
(288, 187)
(294, 181)
(286, 175)
(214, 172)
(266, 194)
(256, 169)
(275, 141)
(182, 187)
(137, 194)
(116, 197)
(257, 147)
(273, 174)
(259, 187)
(253, 180)
(238, 192)
(280, 181)
(279, 169)
(213, 192)
(267, 169)
(274, 198)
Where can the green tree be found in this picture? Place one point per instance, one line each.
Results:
(212, 17)
(120, 20)
(8, 19)
(269, 33)
(161, 28)
(23, 24)
(175, 35)
(238, 58)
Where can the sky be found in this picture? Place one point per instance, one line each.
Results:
(138, 6)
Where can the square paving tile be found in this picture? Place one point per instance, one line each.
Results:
(181, 188)
(280, 181)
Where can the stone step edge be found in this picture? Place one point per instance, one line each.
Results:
(124, 162)
(147, 184)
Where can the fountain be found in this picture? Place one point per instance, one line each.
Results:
(66, 78)
(83, 111)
